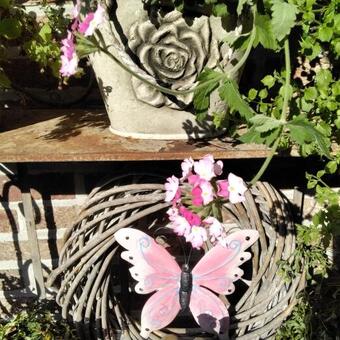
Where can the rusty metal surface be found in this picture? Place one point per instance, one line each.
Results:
(80, 135)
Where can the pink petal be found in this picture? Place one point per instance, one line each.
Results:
(222, 188)
(171, 189)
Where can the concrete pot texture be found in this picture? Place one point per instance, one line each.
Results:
(168, 49)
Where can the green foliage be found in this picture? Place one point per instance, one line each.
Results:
(283, 18)
(317, 314)
(35, 325)
(39, 41)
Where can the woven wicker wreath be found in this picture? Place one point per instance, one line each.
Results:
(95, 287)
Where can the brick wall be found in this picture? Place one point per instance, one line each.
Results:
(56, 200)
(58, 192)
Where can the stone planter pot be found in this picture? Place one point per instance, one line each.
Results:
(169, 50)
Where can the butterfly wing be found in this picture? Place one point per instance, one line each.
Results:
(153, 267)
(160, 309)
(208, 310)
(219, 267)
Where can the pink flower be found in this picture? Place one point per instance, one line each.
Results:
(192, 218)
(236, 188)
(194, 180)
(197, 199)
(215, 228)
(207, 192)
(69, 58)
(75, 15)
(173, 192)
(197, 237)
(222, 188)
(181, 226)
(172, 213)
(76, 10)
(186, 166)
(92, 21)
(205, 167)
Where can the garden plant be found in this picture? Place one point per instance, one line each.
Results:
(295, 107)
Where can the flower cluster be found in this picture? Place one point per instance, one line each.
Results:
(87, 26)
(197, 198)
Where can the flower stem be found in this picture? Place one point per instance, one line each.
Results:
(286, 99)
(248, 49)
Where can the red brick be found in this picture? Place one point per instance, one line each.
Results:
(22, 251)
(8, 221)
(56, 217)
(9, 190)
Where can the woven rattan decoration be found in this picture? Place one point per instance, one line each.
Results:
(94, 286)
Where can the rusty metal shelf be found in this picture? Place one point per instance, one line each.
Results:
(83, 135)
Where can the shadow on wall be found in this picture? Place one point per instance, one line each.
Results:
(16, 272)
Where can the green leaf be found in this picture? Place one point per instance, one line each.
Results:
(45, 33)
(253, 136)
(264, 123)
(264, 32)
(268, 81)
(230, 94)
(220, 10)
(311, 93)
(202, 96)
(263, 93)
(4, 4)
(10, 28)
(252, 94)
(4, 80)
(323, 79)
(208, 82)
(331, 167)
(302, 131)
(283, 18)
(325, 33)
(85, 46)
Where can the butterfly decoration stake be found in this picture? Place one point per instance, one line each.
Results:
(197, 199)
(179, 288)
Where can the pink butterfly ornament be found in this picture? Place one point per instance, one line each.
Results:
(156, 271)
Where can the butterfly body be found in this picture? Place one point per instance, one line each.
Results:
(175, 288)
(185, 287)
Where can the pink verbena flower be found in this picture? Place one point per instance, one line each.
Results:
(75, 15)
(197, 198)
(92, 21)
(197, 236)
(69, 58)
(173, 192)
(192, 218)
(205, 167)
(215, 228)
(236, 188)
(222, 188)
(207, 192)
(186, 166)
(76, 10)
(172, 213)
(181, 226)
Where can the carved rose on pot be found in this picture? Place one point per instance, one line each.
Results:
(173, 53)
